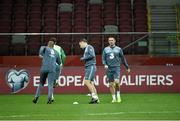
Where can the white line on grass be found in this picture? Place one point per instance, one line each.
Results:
(98, 114)
(121, 113)
(14, 116)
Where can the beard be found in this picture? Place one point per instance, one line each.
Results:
(112, 45)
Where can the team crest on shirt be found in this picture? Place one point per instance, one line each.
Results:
(52, 53)
(17, 80)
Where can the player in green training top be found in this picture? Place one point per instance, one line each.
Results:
(62, 56)
(112, 58)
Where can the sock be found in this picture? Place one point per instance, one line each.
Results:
(118, 94)
(97, 96)
(52, 97)
(114, 97)
(94, 96)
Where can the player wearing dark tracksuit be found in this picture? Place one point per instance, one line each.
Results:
(50, 61)
(90, 68)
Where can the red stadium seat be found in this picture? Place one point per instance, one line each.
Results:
(81, 13)
(34, 29)
(36, 16)
(140, 16)
(50, 22)
(36, 1)
(99, 29)
(50, 29)
(51, 1)
(65, 1)
(95, 7)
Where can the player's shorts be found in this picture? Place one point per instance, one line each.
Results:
(46, 75)
(90, 72)
(113, 73)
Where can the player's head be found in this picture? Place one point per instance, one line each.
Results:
(83, 43)
(111, 41)
(50, 44)
(53, 39)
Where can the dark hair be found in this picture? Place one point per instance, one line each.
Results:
(83, 40)
(53, 39)
(51, 44)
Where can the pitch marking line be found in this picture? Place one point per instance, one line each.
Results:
(121, 113)
(99, 114)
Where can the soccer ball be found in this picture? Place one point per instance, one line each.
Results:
(75, 103)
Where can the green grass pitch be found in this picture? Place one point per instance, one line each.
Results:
(133, 106)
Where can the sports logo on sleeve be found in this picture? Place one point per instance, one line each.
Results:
(17, 80)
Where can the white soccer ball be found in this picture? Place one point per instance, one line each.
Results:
(75, 103)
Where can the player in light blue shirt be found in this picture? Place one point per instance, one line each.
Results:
(50, 61)
(112, 59)
(89, 58)
(62, 56)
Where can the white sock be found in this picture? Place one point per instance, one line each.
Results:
(114, 97)
(94, 96)
(118, 94)
(52, 97)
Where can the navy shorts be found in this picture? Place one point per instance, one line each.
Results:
(90, 72)
(113, 73)
(47, 75)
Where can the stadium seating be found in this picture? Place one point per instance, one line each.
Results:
(110, 17)
(5, 44)
(18, 49)
(140, 16)
(6, 15)
(95, 18)
(80, 17)
(140, 23)
(65, 12)
(66, 16)
(125, 23)
(33, 44)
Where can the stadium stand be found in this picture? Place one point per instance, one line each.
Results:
(140, 25)
(66, 16)
(163, 17)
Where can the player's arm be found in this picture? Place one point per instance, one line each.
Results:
(124, 60)
(104, 59)
(63, 56)
(42, 51)
(58, 60)
(90, 54)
